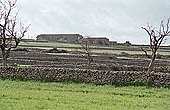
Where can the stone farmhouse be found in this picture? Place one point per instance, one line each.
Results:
(98, 40)
(77, 38)
(67, 38)
(112, 43)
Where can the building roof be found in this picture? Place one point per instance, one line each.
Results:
(57, 34)
(97, 38)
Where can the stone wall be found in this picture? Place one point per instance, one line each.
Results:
(84, 75)
(69, 64)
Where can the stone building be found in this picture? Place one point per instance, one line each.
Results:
(98, 40)
(67, 38)
(113, 43)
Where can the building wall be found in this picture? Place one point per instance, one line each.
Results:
(69, 38)
(98, 41)
(113, 43)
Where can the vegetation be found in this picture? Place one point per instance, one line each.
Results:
(85, 51)
(117, 49)
(48, 44)
(31, 95)
(9, 29)
(156, 38)
(18, 95)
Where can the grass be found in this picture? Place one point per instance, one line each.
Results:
(31, 95)
(50, 44)
(127, 49)
(21, 65)
(117, 51)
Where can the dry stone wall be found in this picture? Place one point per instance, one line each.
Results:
(84, 75)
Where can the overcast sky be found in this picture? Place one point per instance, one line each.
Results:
(119, 20)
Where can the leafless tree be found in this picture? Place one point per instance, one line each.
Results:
(11, 31)
(85, 51)
(156, 38)
(146, 53)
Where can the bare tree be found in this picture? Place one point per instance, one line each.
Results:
(85, 51)
(11, 31)
(146, 53)
(156, 38)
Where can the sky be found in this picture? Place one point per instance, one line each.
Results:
(118, 20)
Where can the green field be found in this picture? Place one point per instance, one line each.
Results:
(31, 95)
(117, 49)
(52, 44)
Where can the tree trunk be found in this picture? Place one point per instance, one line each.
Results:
(90, 59)
(4, 57)
(152, 62)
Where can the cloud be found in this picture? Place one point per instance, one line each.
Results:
(118, 19)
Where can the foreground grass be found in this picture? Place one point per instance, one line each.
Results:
(18, 95)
